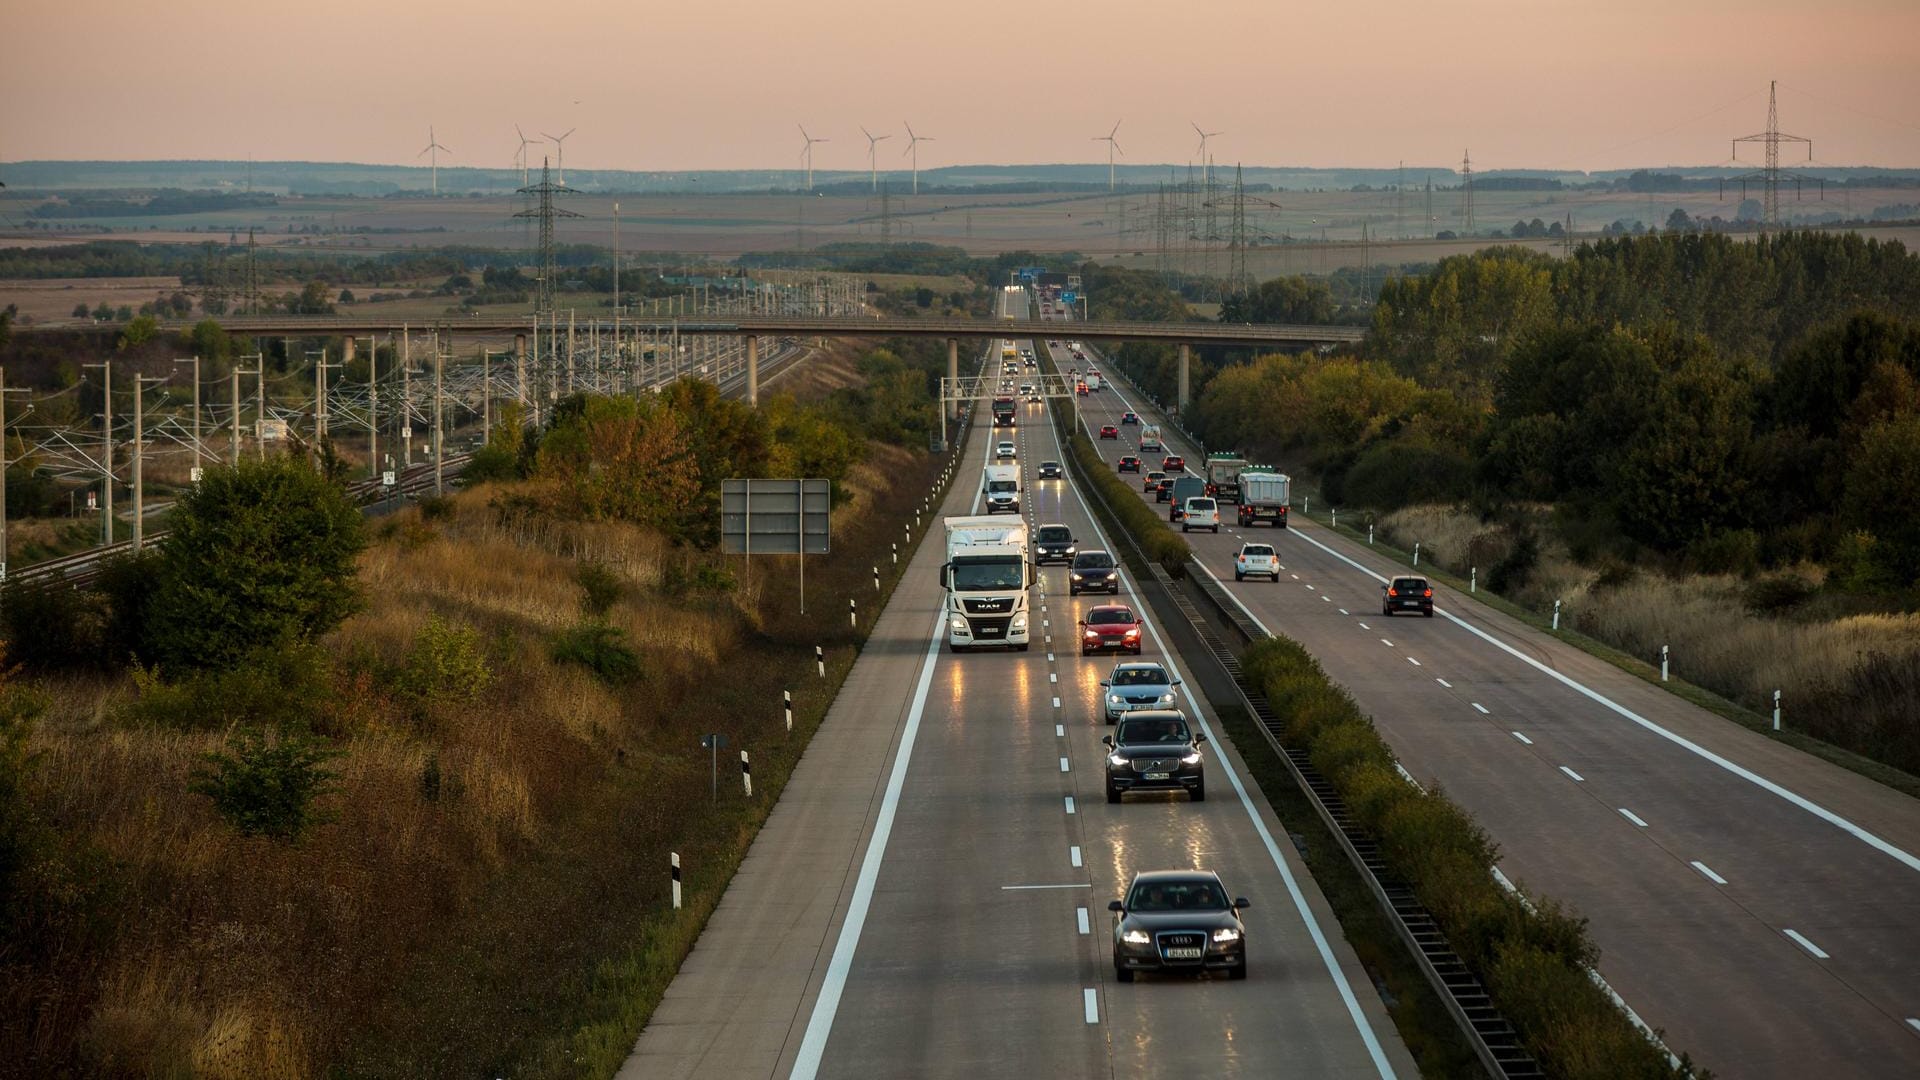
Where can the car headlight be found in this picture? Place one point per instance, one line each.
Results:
(1072, 550)
(1226, 933)
(1133, 633)
(1166, 698)
(1076, 577)
(1113, 699)
(959, 624)
(1116, 760)
(1020, 622)
(1192, 758)
(1136, 937)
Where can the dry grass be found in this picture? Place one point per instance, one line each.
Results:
(1850, 679)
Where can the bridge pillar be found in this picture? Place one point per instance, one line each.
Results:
(753, 370)
(1186, 361)
(347, 357)
(953, 375)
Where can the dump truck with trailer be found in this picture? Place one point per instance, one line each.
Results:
(1264, 497)
(1223, 476)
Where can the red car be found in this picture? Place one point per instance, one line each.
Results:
(1110, 627)
(1174, 463)
(1108, 431)
(1130, 463)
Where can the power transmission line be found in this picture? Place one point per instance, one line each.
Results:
(545, 213)
(1769, 176)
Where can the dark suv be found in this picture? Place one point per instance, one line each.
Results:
(1054, 543)
(1093, 571)
(1407, 594)
(1154, 750)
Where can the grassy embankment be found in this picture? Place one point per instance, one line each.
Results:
(490, 896)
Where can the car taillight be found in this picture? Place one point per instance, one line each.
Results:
(1392, 592)
(1429, 594)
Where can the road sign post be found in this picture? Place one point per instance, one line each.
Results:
(777, 517)
(713, 743)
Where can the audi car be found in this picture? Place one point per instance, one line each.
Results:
(1406, 594)
(1178, 921)
(1093, 571)
(1154, 750)
(1135, 685)
(1110, 628)
(1049, 470)
(1054, 543)
(1130, 463)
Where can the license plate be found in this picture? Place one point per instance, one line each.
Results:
(1183, 954)
(989, 631)
(1157, 775)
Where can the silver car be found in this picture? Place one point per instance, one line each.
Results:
(1134, 686)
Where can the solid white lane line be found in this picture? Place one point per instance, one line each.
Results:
(1482, 708)
(1864, 835)
(1633, 817)
(1801, 940)
(1063, 885)
(1070, 804)
(1081, 916)
(1060, 731)
(1523, 738)
(1577, 778)
(1092, 1001)
(1375, 1051)
(1708, 871)
(1412, 661)
(1074, 854)
(1063, 765)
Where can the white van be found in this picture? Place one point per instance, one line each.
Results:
(1000, 488)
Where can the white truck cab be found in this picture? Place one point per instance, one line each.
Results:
(986, 576)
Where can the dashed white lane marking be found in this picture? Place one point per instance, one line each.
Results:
(1049, 658)
(1577, 778)
(1070, 804)
(1053, 677)
(1060, 731)
(1327, 598)
(1482, 708)
(1295, 577)
(1092, 1001)
(1074, 854)
(1708, 871)
(1364, 626)
(1387, 643)
(1064, 765)
(1443, 682)
(1081, 916)
(1412, 661)
(1801, 940)
(1344, 611)
(1056, 703)
(1309, 588)
(1523, 738)
(1633, 817)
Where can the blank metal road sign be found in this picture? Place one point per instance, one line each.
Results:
(773, 517)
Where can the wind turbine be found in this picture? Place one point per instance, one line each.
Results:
(434, 148)
(1205, 163)
(1113, 146)
(522, 155)
(807, 153)
(873, 141)
(913, 147)
(560, 145)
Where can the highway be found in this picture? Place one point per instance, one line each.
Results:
(1756, 903)
(933, 901)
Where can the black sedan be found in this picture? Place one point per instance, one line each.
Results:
(1050, 470)
(1093, 571)
(1178, 921)
(1154, 750)
(1054, 543)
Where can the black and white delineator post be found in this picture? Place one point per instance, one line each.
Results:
(746, 774)
(820, 660)
(786, 705)
(676, 880)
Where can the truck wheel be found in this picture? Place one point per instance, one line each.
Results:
(1020, 648)
(951, 647)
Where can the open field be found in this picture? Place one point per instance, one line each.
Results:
(1295, 231)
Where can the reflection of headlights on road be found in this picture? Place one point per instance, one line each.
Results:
(1226, 933)
(959, 624)
(1116, 760)
(1192, 759)
(1136, 937)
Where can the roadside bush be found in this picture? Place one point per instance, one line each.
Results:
(599, 648)
(47, 625)
(1534, 961)
(267, 786)
(1730, 551)
(600, 588)
(446, 666)
(1777, 593)
(491, 462)
(284, 688)
(1156, 541)
(126, 586)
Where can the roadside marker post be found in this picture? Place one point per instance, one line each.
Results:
(1416, 553)
(1369, 534)
(676, 880)
(1776, 710)
(1663, 663)
(1336, 517)
(1473, 579)
(746, 774)
(853, 615)
(786, 706)
(896, 554)
(1556, 614)
(820, 660)
(876, 579)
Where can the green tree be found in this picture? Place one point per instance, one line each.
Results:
(257, 556)
(267, 787)
(1883, 498)
(1687, 474)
